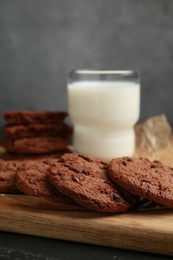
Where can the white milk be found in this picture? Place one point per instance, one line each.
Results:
(103, 115)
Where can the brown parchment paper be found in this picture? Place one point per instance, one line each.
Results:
(154, 139)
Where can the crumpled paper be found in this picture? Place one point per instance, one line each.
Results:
(154, 139)
(154, 134)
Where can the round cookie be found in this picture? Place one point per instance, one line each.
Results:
(37, 130)
(140, 176)
(84, 179)
(7, 176)
(31, 179)
(19, 157)
(37, 145)
(33, 117)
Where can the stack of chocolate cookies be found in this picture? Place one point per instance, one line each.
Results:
(36, 133)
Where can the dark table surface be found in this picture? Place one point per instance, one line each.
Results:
(17, 246)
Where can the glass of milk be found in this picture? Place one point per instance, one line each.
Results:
(104, 107)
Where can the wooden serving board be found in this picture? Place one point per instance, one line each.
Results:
(150, 231)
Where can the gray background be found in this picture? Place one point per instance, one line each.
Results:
(41, 40)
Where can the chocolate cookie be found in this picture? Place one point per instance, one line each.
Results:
(37, 145)
(140, 176)
(7, 176)
(31, 117)
(19, 157)
(84, 179)
(31, 179)
(37, 130)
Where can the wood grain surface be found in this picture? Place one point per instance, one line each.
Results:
(150, 231)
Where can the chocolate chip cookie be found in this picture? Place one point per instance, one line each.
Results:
(32, 117)
(31, 179)
(148, 179)
(7, 176)
(85, 180)
(37, 130)
(37, 145)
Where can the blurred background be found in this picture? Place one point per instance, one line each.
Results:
(41, 40)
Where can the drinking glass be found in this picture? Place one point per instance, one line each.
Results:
(104, 106)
